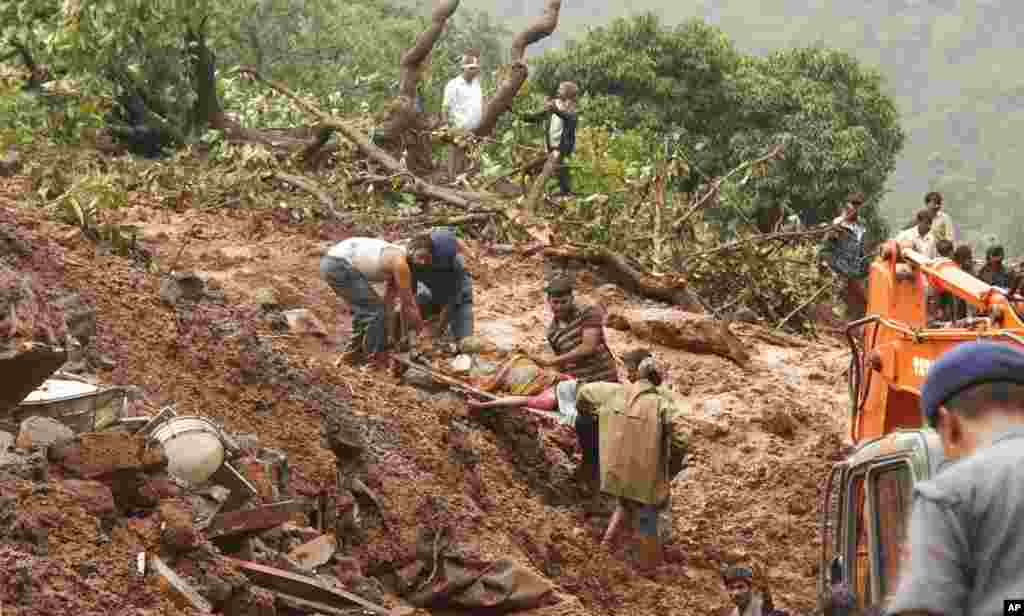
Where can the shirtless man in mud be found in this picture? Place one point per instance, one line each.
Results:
(350, 267)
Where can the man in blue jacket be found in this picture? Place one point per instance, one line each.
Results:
(444, 285)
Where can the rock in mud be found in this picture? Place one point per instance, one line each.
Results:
(304, 322)
(93, 496)
(31, 467)
(422, 379)
(367, 588)
(681, 330)
(347, 569)
(186, 286)
(251, 601)
(179, 533)
(779, 422)
(79, 316)
(42, 432)
(95, 454)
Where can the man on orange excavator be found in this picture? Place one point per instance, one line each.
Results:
(919, 237)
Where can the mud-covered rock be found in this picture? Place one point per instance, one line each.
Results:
(681, 330)
(303, 322)
(30, 467)
(187, 286)
(179, 533)
(79, 316)
(346, 569)
(95, 454)
(368, 588)
(40, 432)
(93, 496)
(251, 601)
(12, 243)
(779, 422)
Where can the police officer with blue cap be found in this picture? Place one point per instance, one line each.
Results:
(967, 526)
(444, 286)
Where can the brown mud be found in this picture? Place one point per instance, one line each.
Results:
(763, 435)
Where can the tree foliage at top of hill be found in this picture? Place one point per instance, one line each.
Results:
(718, 106)
(951, 67)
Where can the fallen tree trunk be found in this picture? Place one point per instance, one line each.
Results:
(679, 330)
(518, 71)
(407, 180)
(312, 188)
(670, 288)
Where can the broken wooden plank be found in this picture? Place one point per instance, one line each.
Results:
(300, 604)
(303, 605)
(260, 518)
(307, 588)
(315, 553)
(182, 589)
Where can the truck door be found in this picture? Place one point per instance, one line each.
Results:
(891, 485)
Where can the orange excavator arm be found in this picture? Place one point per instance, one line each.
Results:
(895, 345)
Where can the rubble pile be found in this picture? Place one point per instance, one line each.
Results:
(197, 540)
(315, 487)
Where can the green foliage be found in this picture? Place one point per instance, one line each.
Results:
(25, 116)
(346, 53)
(721, 107)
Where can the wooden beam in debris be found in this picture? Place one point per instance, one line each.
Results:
(261, 518)
(316, 607)
(308, 589)
(181, 589)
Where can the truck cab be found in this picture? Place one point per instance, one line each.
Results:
(866, 509)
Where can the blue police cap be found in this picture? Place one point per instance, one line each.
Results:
(967, 365)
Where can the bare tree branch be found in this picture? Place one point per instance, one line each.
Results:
(403, 112)
(408, 181)
(765, 237)
(772, 154)
(518, 71)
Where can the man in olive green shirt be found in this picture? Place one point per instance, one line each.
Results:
(654, 520)
(942, 224)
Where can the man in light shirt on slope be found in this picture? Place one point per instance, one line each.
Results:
(463, 107)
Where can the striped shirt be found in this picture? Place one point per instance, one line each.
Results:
(566, 336)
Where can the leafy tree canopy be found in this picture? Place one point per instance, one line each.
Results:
(720, 106)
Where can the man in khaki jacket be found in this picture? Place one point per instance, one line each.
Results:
(635, 442)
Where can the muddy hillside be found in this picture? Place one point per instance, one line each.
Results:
(431, 492)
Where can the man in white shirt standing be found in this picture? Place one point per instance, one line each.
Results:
(919, 237)
(463, 107)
